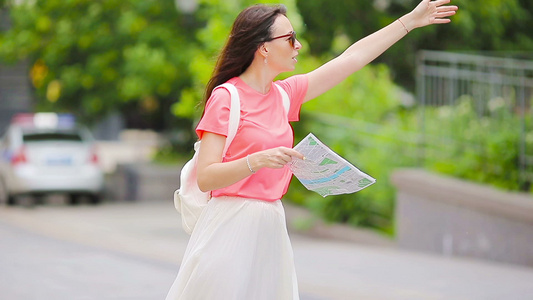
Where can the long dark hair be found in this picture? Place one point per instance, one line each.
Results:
(251, 29)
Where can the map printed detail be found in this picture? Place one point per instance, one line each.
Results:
(324, 171)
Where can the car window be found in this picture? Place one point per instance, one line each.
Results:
(52, 136)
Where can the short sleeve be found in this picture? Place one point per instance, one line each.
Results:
(296, 88)
(216, 114)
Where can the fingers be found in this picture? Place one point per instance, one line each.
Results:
(441, 16)
(439, 2)
(433, 12)
(294, 153)
(279, 157)
(444, 14)
(286, 155)
(447, 9)
(278, 161)
(441, 21)
(440, 7)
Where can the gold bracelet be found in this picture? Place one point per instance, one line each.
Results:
(248, 163)
(403, 25)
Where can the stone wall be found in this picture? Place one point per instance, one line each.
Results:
(143, 182)
(456, 218)
(15, 92)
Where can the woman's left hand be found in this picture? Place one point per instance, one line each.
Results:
(431, 12)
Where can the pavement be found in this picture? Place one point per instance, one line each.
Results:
(329, 268)
(36, 267)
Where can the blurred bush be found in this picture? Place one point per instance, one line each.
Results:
(97, 57)
(367, 120)
(359, 119)
(481, 148)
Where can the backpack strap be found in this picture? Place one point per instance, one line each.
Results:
(285, 97)
(234, 114)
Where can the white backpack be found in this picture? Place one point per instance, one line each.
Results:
(189, 200)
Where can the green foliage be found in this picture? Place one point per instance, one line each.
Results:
(364, 121)
(367, 95)
(218, 16)
(325, 19)
(480, 148)
(94, 57)
(504, 27)
(480, 25)
(346, 119)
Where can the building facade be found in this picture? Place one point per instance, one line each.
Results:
(15, 89)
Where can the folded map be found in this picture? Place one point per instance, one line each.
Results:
(324, 171)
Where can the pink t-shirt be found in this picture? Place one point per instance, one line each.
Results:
(264, 124)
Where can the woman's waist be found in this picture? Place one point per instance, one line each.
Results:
(229, 197)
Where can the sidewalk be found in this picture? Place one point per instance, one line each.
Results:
(327, 268)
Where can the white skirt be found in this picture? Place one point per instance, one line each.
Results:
(239, 250)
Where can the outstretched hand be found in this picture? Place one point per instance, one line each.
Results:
(432, 12)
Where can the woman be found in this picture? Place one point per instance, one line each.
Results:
(240, 248)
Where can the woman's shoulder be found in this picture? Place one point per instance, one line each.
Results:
(294, 84)
(233, 81)
(221, 91)
(293, 81)
(220, 97)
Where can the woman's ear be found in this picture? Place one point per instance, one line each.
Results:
(263, 50)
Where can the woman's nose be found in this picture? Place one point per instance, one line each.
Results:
(297, 45)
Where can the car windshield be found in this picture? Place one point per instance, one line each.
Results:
(52, 136)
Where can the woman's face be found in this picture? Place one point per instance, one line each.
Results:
(281, 54)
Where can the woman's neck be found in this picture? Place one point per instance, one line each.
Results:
(258, 78)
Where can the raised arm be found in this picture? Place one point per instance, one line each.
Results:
(369, 48)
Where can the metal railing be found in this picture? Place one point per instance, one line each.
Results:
(497, 91)
(473, 120)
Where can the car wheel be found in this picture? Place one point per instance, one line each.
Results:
(73, 199)
(38, 199)
(3, 193)
(95, 199)
(5, 197)
(11, 200)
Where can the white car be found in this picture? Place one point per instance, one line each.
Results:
(44, 154)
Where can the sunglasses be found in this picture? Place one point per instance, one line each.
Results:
(291, 38)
